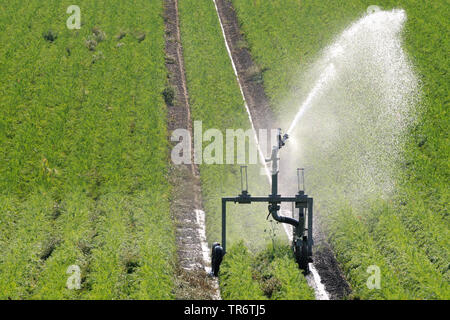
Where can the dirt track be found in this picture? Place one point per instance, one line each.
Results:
(192, 281)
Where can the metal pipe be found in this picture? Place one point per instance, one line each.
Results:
(266, 199)
(310, 225)
(274, 198)
(273, 208)
(275, 184)
(224, 225)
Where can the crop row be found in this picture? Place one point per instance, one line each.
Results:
(269, 274)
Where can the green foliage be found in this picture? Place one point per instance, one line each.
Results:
(236, 275)
(356, 251)
(168, 94)
(270, 274)
(416, 272)
(83, 176)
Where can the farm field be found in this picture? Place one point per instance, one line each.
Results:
(407, 235)
(83, 149)
(92, 206)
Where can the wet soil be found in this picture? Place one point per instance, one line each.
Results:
(193, 281)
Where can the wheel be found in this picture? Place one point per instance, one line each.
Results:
(301, 254)
(216, 258)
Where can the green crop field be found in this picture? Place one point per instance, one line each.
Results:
(83, 147)
(407, 236)
(85, 194)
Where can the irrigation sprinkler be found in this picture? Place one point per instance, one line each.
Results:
(302, 239)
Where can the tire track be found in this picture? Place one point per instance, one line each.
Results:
(193, 281)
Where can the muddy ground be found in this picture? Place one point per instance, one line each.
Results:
(192, 280)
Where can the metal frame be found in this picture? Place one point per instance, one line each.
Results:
(302, 202)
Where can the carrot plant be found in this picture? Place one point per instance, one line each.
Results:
(270, 274)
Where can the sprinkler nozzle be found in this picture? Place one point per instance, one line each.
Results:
(282, 139)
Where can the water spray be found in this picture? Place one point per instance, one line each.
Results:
(324, 79)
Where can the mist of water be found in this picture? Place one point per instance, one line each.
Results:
(349, 129)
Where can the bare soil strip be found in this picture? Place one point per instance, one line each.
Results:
(250, 78)
(193, 282)
(249, 73)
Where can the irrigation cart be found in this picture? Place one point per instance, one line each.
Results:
(302, 236)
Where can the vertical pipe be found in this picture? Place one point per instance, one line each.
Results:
(275, 184)
(242, 184)
(301, 180)
(300, 230)
(224, 225)
(310, 225)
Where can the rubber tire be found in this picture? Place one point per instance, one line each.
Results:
(301, 254)
(216, 258)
